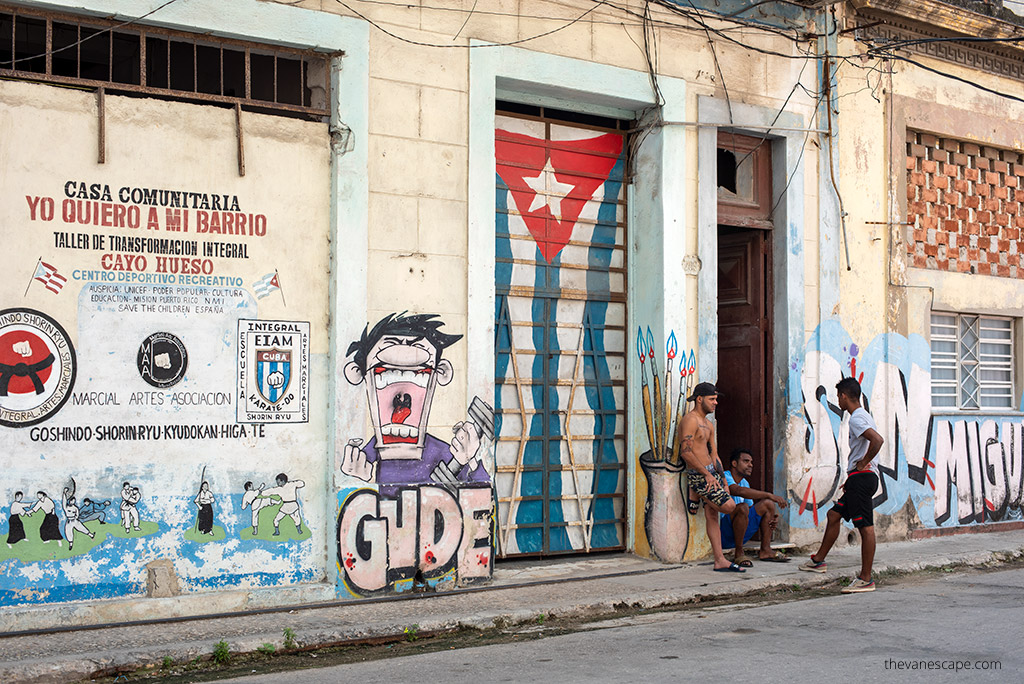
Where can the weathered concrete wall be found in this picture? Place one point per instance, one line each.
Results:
(427, 248)
(941, 468)
(186, 312)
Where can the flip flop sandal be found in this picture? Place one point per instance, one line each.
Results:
(732, 568)
(779, 557)
(693, 506)
(745, 563)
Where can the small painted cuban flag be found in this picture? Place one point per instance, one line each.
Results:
(267, 285)
(48, 276)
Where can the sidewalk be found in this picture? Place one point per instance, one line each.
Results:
(519, 593)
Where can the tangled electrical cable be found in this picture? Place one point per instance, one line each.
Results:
(134, 20)
(953, 77)
(889, 50)
(388, 32)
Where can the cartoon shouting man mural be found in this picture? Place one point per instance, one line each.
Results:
(399, 362)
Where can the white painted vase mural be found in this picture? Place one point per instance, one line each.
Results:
(665, 517)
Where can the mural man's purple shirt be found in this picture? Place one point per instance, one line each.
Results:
(392, 474)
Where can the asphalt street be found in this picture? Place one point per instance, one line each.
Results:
(966, 620)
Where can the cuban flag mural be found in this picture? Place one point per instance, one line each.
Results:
(559, 337)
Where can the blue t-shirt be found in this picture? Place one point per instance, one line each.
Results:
(730, 480)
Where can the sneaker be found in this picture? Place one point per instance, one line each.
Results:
(814, 566)
(858, 586)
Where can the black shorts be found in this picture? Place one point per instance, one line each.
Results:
(855, 504)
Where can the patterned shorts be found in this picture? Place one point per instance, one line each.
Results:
(718, 495)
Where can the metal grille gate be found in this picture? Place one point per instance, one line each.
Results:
(559, 336)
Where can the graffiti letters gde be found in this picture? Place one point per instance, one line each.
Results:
(434, 495)
(425, 533)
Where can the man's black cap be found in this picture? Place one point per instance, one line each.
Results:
(703, 389)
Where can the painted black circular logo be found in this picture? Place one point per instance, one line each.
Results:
(162, 359)
(37, 367)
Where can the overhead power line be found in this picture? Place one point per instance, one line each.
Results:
(129, 22)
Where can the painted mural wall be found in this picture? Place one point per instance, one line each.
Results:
(667, 507)
(162, 347)
(936, 470)
(415, 509)
(559, 339)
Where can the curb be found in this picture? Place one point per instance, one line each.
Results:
(58, 669)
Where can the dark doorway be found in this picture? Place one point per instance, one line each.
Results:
(745, 302)
(744, 348)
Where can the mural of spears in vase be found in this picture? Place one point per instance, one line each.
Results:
(665, 514)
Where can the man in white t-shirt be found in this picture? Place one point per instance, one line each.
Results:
(856, 503)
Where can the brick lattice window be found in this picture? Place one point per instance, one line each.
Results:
(964, 206)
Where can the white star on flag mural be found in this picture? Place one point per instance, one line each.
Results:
(550, 191)
(548, 204)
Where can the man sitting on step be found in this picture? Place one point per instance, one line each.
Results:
(755, 511)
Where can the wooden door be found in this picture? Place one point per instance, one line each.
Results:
(744, 350)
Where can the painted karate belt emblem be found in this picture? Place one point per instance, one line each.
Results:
(36, 372)
(551, 181)
(273, 373)
(37, 367)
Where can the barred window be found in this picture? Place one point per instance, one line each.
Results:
(972, 361)
(125, 57)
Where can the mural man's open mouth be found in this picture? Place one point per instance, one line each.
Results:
(401, 395)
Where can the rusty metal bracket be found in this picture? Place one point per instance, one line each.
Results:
(101, 113)
(241, 140)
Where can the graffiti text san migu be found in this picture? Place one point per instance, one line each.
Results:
(954, 469)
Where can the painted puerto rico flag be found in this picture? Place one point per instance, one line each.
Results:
(48, 276)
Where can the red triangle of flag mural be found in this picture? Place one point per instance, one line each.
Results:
(552, 180)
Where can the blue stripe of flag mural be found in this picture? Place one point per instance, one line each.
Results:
(559, 337)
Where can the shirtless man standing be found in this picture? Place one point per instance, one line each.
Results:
(704, 471)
